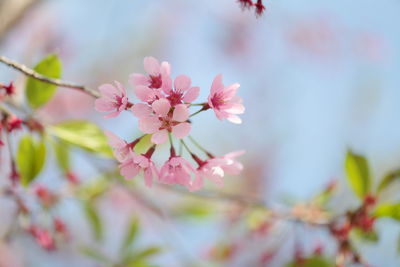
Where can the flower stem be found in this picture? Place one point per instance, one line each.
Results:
(197, 112)
(200, 147)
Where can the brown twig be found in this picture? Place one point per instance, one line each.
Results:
(31, 73)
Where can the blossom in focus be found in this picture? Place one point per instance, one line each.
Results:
(181, 91)
(148, 88)
(215, 168)
(176, 170)
(224, 102)
(113, 99)
(120, 147)
(159, 119)
(134, 163)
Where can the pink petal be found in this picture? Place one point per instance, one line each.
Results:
(161, 107)
(159, 137)
(230, 91)
(235, 108)
(129, 170)
(108, 90)
(217, 84)
(181, 113)
(149, 124)
(136, 79)
(167, 85)
(156, 173)
(197, 184)
(121, 89)
(234, 154)
(217, 178)
(181, 130)
(112, 115)
(141, 110)
(113, 140)
(148, 177)
(104, 105)
(191, 94)
(182, 83)
(234, 119)
(143, 92)
(151, 66)
(165, 69)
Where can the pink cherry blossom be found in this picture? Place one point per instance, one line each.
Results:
(224, 102)
(160, 118)
(181, 91)
(215, 168)
(113, 99)
(148, 88)
(134, 163)
(120, 147)
(176, 170)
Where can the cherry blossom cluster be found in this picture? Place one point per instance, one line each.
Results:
(164, 113)
(258, 6)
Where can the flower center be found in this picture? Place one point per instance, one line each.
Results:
(155, 81)
(175, 98)
(217, 100)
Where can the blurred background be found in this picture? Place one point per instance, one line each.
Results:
(317, 78)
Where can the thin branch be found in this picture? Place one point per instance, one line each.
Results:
(31, 73)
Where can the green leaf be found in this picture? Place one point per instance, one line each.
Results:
(195, 210)
(61, 151)
(398, 245)
(371, 237)
(131, 233)
(94, 220)
(94, 254)
(39, 93)
(313, 262)
(357, 171)
(388, 210)
(83, 134)
(144, 144)
(93, 189)
(388, 180)
(30, 159)
(140, 258)
(148, 252)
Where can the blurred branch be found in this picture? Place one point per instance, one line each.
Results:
(220, 196)
(33, 74)
(11, 11)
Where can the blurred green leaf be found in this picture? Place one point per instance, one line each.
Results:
(61, 151)
(358, 176)
(144, 144)
(94, 254)
(371, 237)
(39, 93)
(388, 180)
(388, 210)
(140, 258)
(131, 233)
(93, 189)
(83, 134)
(30, 158)
(312, 262)
(195, 210)
(94, 220)
(398, 245)
(137, 263)
(148, 252)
